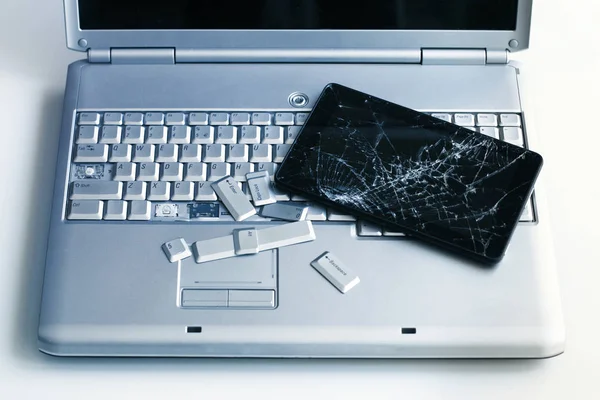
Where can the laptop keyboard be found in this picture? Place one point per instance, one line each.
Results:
(155, 166)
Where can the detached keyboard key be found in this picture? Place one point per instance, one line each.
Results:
(91, 153)
(96, 190)
(86, 209)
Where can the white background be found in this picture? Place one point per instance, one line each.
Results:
(562, 65)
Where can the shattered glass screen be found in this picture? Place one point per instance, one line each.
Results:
(411, 171)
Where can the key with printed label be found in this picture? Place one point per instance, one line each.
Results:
(233, 198)
(176, 250)
(285, 211)
(259, 186)
(285, 235)
(332, 269)
(214, 249)
(245, 241)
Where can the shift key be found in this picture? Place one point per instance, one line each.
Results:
(96, 190)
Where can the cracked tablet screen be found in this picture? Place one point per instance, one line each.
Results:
(411, 171)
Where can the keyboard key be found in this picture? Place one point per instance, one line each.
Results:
(261, 119)
(301, 118)
(237, 153)
(214, 153)
(176, 118)
(86, 209)
(198, 118)
(487, 120)
(297, 197)
(112, 118)
(513, 135)
(167, 153)
(218, 170)
(233, 198)
(139, 210)
(204, 135)
(180, 134)
(191, 153)
(273, 135)
(96, 190)
(249, 135)
(510, 120)
(89, 118)
(111, 134)
(226, 135)
(259, 186)
(241, 169)
(87, 135)
(154, 118)
(285, 211)
(490, 131)
(442, 116)
(464, 119)
(261, 153)
(338, 274)
(245, 241)
(268, 167)
(284, 119)
(392, 233)
(364, 228)
(159, 191)
(240, 119)
(120, 153)
(144, 153)
(205, 192)
(219, 119)
(134, 119)
(285, 235)
(183, 191)
(134, 134)
(335, 215)
(125, 171)
(316, 213)
(291, 134)
(280, 152)
(157, 134)
(91, 153)
(527, 214)
(116, 210)
(195, 171)
(135, 191)
(148, 172)
(172, 171)
(214, 249)
(176, 250)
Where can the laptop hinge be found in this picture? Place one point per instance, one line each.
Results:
(463, 56)
(132, 56)
(404, 56)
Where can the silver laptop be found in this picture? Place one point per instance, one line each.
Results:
(172, 98)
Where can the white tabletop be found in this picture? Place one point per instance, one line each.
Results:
(563, 65)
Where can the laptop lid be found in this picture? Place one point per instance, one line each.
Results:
(298, 24)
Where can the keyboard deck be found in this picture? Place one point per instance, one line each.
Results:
(158, 166)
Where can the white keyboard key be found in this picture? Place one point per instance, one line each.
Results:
(112, 118)
(154, 118)
(442, 116)
(134, 134)
(87, 134)
(513, 135)
(195, 172)
(240, 119)
(198, 118)
(316, 213)
(205, 192)
(301, 118)
(464, 119)
(261, 153)
(261, 119)
(218, 171)
(96, 190)
(139, 210)
(285, 211)
(143, 153)
(250, 134)
(111, 134)
(176, 118)
(91, 153)
(135, 191)
(279, 194)
(86, 209)
(233, 198)
(167, 153)
(392, 233)
(245, 241)
(226, 135)
(180, 134)
(273, 135)
(241, 169)
(297, 197)
(134, 119)
(338, 274)
(191, 153)
(527, 214)
(176, 250)
(285, 235)
(259, 186)
(487, 120)
(510, 120)
(204, 135)
(281, 151)
(237, 153)
(284, 119)
(335, 215)
(214, 249)
(116, 210)
(219, 119)
(490, 131)
(120, 153)
(159, 191)
(89, 118)
(183, 191)
(125, 171)
(172, 172)
(214, 153)
(267, 167)
(157, 134)
(364, 228)
(148, 172)
(291, 134)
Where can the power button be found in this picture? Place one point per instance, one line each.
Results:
(298, 100)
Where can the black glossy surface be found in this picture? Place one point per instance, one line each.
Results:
(427, 177)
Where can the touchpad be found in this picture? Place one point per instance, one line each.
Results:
(256, 271)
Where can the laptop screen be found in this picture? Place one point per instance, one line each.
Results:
(496, 15)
